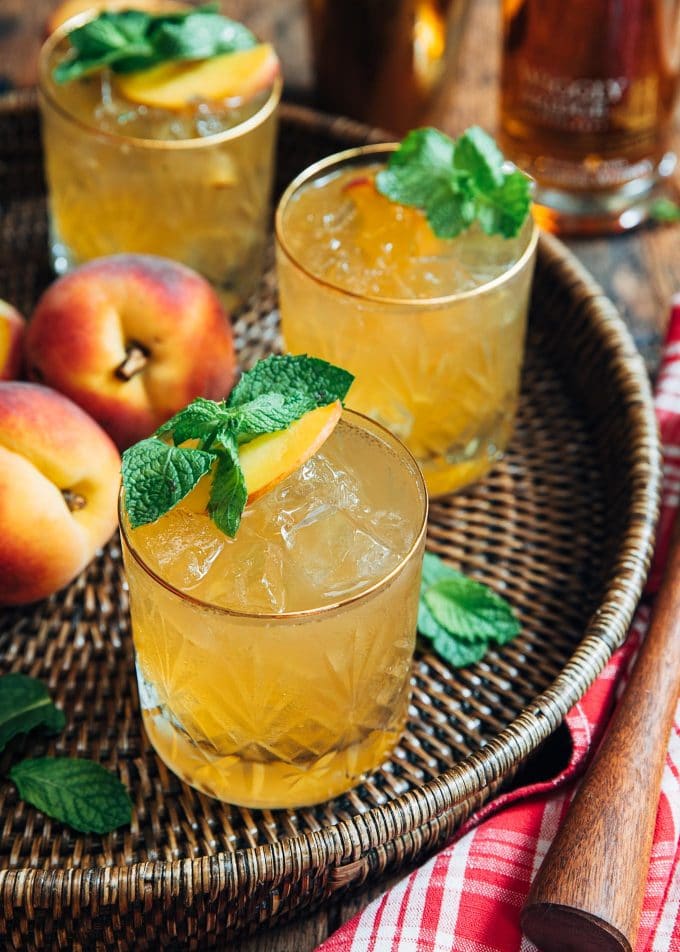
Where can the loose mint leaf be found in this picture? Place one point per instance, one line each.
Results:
(446, 596)
(131, 40)
(436, 570)
(664, 210)
(477, 154)
(457, 182)
(471, 611)
(80, 793)
(458, 653)
(500, 209)
(228, 494)
(157, 476)
(305, 382)
(24, 705)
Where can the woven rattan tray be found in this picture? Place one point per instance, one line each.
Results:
(563, 527)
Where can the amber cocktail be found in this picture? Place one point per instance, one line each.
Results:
(191, 184)
(433, 329)
(274, 668)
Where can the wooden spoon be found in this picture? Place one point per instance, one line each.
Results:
(587, 896)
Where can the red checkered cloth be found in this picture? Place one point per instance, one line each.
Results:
(468, 897)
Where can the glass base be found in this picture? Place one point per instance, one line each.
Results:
(608, 211)
(267, 784)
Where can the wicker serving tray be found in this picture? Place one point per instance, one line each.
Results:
(563, 527)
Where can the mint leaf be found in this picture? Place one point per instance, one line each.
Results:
(107, 40)
(499, 209)
(460, 616)
(305, 382)
(130, 40)
(435, 569)
(471, 611)
(80, 793)
(228, 494)
(109, 32)
(449, 212)
(24, 705)
(196, 420)
(477, 154)
(664, 210)
(456, 183)
(264, 414)
(157, 476)
(423, 162)
(458, 653)
(200, 35)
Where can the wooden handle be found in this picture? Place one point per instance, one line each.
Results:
(587, 896)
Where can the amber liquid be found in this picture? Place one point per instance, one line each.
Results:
(382, 61)
(588, 90)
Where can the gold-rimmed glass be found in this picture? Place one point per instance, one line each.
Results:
(283, 709)
(203, 201)
(441, 372)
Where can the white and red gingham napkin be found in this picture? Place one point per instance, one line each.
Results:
(468, 897)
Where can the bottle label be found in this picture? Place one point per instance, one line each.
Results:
(588, 105)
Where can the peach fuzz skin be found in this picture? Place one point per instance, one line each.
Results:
(86, 322)
(12, 326)
(48, 447)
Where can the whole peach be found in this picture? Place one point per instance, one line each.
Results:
(12, 327)
(132, 339)
(59, 481)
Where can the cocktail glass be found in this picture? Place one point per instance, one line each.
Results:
(432, 330)
(274, 669)
(200, 197)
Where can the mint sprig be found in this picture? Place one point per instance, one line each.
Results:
(457, 182)
(76, 791)
(132, 40)
(79, 792)
(25, 704)
(158, 472)
(460, 616)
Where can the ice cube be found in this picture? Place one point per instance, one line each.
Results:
(185, 545)
(248, 573)
(334, 546)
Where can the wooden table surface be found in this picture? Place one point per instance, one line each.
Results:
(640, 271)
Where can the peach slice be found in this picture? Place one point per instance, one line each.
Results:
(227, 76)
(387, 228)
(269, 459)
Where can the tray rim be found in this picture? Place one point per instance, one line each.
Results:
(353, 850)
